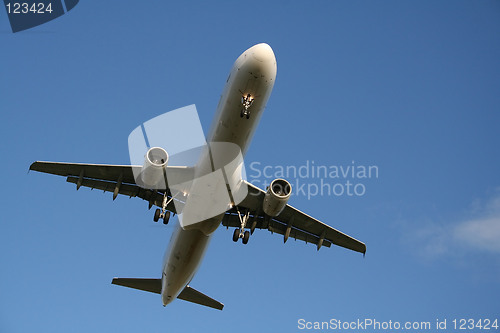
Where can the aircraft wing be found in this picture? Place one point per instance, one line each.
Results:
(291, 222)
(118, 179)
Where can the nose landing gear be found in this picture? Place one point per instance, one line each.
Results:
(246, 101)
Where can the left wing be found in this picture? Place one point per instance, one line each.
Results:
(290, 222)
(118, 179)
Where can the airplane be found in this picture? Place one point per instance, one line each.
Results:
(240, 108)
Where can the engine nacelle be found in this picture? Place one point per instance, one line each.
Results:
(276, 197)
(153, 169)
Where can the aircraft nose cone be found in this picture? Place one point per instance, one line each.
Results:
(258, 61)
(262, 52)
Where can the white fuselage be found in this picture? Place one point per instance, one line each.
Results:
(254, 73)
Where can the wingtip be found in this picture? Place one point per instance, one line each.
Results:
(34, 165)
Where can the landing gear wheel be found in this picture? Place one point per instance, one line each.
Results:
(246, 236)
(166, 217)
(242, 113)
(248, 115)
(236, 235)
(157, 215)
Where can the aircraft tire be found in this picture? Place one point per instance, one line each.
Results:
(236, 235)
(246, 237)
(157, 215)
(166, 217)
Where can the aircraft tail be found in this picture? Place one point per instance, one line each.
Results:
(154, 286)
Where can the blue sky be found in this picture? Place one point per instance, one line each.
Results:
(411, 87)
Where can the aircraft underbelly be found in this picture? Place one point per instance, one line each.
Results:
(253, 74)
(183, 257)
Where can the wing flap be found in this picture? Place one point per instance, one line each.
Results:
(305, 222)
(154, 197)
(275, 227)
(118, 179)
(95, 171)
(108, 172)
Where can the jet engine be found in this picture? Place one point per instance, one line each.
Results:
(153, 169)
(276, 197)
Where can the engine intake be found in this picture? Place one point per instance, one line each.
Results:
(153, 169)
(276, 197)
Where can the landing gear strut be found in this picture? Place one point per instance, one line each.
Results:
(240, 232)
(163, 213)
(246, 101)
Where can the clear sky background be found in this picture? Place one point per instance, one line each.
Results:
(411, 87)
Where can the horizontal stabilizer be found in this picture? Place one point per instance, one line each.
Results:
(154, 286)
(151, 285)
(194, 296)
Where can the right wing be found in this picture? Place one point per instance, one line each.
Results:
(118, 179)
(291, 222)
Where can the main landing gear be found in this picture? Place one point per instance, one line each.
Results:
(163, 213)
(246, 101)
(240, 232)
(159, 215)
